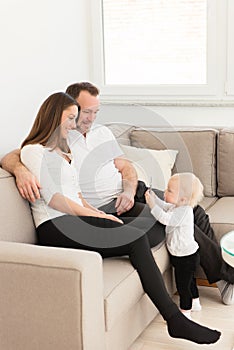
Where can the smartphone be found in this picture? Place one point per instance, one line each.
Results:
(150, 186)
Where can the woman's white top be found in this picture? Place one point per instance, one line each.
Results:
(55, 175)
(179, 223)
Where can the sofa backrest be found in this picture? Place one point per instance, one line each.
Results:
(197, 148)
(15, 215)
(197, 151)
(225, 162)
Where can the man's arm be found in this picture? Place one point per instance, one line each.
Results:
(11, 161)
(26, 182)
(125, 201)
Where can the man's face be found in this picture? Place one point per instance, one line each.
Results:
(89, 106)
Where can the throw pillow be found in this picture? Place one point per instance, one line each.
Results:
(151, 165)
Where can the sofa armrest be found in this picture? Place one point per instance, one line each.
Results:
(50, 298)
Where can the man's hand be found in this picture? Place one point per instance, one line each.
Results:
(124, 202)
(27, 184)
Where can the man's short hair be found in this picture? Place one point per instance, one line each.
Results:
(75, 89)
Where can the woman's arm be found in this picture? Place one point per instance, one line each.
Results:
(65, 205)
(47, 167)
(87, 205)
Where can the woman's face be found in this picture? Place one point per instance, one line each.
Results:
(68, 120)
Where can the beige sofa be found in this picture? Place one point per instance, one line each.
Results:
(207, 152)
(54, 298)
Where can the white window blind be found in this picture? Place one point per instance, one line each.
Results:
(230, 49)
(157, 50)
(155, 42)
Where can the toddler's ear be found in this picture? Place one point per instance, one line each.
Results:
(184, 200)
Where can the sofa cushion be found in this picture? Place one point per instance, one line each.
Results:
(121, 132)
(197, 150)
(207, 202)
(225, 162)
(151, 164)
(221, 216)
(122, 286)
(15, 215)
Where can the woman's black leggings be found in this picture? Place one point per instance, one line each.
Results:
(135, 239)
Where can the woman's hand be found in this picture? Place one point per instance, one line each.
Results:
(110, 217)
(99, 213)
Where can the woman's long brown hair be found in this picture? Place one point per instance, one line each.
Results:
(46, 127)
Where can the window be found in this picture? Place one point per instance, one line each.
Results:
(230, 50)
(155, 42)
(155, 50)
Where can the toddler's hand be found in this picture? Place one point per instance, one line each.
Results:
(150, 198)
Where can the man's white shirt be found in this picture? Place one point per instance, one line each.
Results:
(99, 179)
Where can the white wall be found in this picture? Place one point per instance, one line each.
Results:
(199, 116)
(217, 116)
(44, 47)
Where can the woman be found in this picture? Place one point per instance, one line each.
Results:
(64, 219)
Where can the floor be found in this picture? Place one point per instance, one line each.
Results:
(214, 314)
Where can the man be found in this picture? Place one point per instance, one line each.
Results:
(109, 182)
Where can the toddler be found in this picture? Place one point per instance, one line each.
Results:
(184, 191)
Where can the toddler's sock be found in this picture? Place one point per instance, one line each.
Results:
(196, 306)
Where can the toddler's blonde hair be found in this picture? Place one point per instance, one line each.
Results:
(190, 187)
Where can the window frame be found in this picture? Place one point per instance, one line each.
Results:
(216, 88)
(230, 50)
